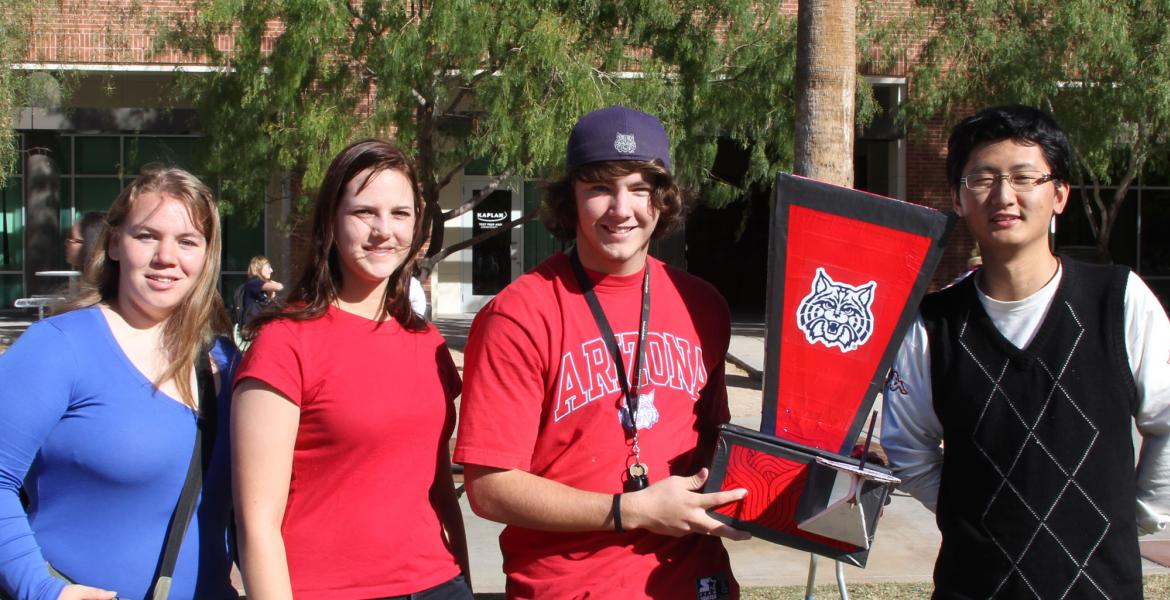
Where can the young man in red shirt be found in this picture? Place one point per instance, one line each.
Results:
(594, 388)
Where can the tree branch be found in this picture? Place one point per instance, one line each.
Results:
(444, 180)
(487, 235)
(1087, 203)
(353, 12)
(463, 89)
(478, 197)
(355, 20)
(493, 66)
(1137, 157)
(422, 100)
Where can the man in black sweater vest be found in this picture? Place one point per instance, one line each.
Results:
(1033, 370)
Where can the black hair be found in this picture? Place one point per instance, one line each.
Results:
(1023, 124)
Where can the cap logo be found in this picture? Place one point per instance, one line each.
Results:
(624, 143)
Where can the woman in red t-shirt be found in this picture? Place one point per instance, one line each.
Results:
(344, 407)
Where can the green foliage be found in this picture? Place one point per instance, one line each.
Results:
(15, 86)
(460, 80)
(1102, 68)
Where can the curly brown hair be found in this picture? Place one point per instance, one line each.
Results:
(674, 203)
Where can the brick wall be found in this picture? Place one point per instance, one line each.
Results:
(926, 184)
(112, 31)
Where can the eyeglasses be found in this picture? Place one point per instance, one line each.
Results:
(1021, 181)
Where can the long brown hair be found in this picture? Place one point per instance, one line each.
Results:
(319, 280)
(189, 329)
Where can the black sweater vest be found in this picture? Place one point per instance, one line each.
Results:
(1038, 490)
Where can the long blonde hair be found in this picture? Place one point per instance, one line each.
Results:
(256, 266)
(189, 329)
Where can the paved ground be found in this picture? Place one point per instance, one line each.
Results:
(906, 541)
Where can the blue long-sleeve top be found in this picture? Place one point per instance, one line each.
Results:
(103, 457)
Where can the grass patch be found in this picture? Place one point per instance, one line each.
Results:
(857, 591)
(1156, 586)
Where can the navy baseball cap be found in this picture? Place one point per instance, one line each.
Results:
(617, 133)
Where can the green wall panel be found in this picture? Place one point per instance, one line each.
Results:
(539, 244)
(173, 151)
(11, 288)
(241, 243)
(11, 226)
(98, 155)
(95, 193)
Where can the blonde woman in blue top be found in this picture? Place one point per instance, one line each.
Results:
(99, 409)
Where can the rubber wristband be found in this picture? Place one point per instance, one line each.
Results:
(617, 513)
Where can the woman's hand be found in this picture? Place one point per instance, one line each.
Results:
(84, 592)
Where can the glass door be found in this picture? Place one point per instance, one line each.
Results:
(491, 264)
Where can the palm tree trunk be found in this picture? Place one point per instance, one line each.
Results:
(826, 83)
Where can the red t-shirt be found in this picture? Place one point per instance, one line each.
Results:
(541, 395)
(377, 408)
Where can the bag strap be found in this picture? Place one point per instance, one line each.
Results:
(185, 509)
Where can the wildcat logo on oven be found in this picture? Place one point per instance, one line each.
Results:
(837, 314)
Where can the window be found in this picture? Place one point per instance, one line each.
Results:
(12, 234)
(1138, 238)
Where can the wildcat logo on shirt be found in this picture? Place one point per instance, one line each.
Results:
(588, 373)
(647, 413)
(897, 384)
(836, 314)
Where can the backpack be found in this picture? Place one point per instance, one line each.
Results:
(239, 311)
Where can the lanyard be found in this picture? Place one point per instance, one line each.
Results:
(636, 475)
(630, 392)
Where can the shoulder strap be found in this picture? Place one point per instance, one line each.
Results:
(185, 509)
(238, 301)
